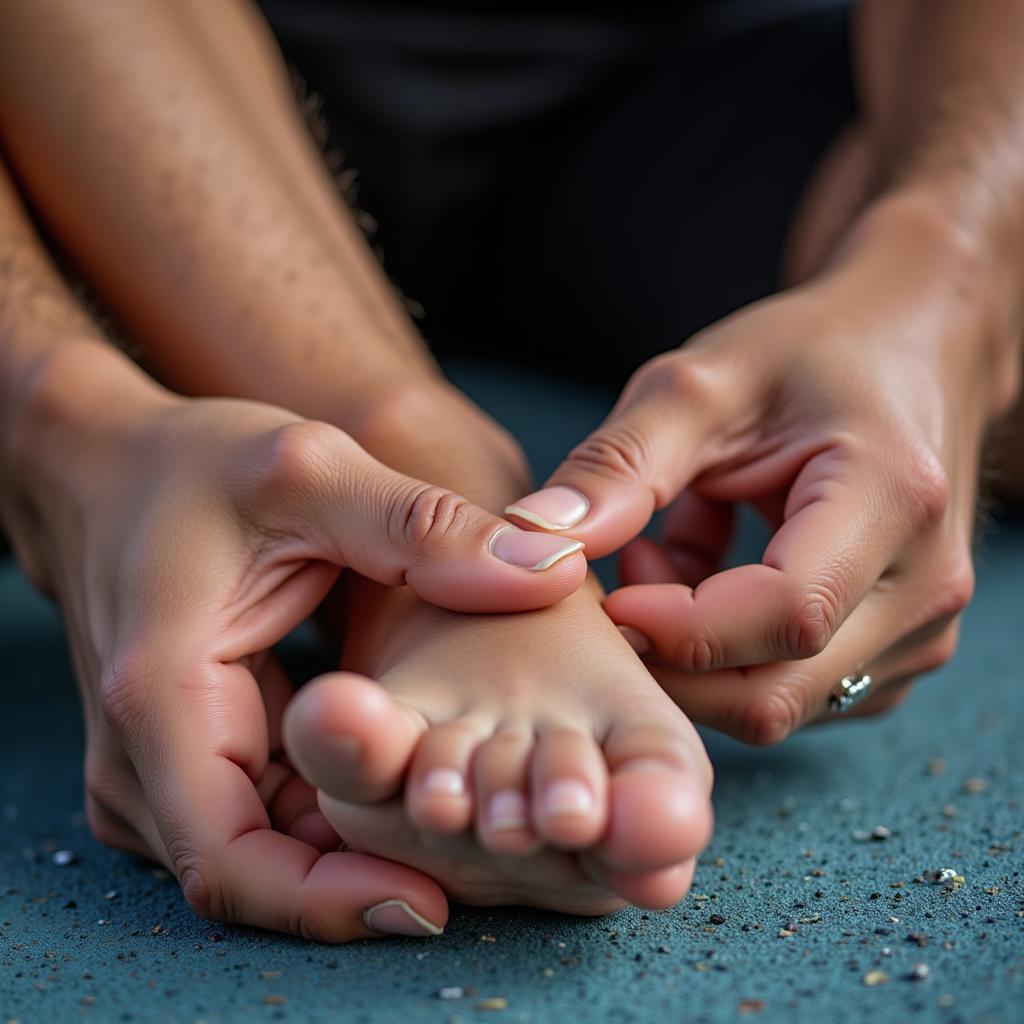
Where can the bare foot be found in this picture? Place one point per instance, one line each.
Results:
(524, 758)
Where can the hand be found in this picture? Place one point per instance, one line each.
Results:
(850, 413)
(183, 540)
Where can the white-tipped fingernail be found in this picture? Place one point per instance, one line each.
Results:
(444, 782)
(533, 551)
(396, 917)
(553, 508)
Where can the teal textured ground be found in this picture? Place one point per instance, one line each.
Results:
(104, 939)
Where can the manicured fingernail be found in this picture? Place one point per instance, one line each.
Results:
(567, 797)
(534, 551)
(636, 640)
(396, 917)
(506, 810)
(444, 782)
(554, 508)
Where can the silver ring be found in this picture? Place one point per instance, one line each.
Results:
(849, 692)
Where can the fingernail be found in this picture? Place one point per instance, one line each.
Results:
(444, 782)
(534, 551)
(554, 508)
(396, 917)
(507, 810)
(636, 640)
(567, 797)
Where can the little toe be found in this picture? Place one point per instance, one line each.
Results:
(501, 782)
(438, 795)
(660, 796)
(569, 786)
(348, 737)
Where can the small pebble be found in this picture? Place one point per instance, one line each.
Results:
(110, 894)
(937, 766)
(716, 919)
(975, 785)
(873, 978)
(62, 858)
(451, 992)
(496, 1003)
(919, 972)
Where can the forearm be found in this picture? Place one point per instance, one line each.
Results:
(61, 384)
(941, 137)
(199, 218)
(192, 196)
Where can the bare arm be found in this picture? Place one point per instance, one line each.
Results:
(168, 158)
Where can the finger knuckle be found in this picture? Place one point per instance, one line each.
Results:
(617, 453)
(702, 653)
(298, 453)
(768, 718)
(924, 484)
(122, 687)
(680, 377)
(954, 587)
(430, 516)
(812, 622)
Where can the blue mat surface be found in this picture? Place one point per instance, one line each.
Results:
(789, 914)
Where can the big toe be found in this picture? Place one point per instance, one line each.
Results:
(659, 797)
(350, 738)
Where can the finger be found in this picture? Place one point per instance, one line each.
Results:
(695, 537)
(291, 805)
(764, 704)
(196, 758)
(846, 523)
(397, 530)
(668, 424)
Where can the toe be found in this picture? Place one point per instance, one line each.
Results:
(350, 738)
(569, 786)
(660, 796)
(438, 795)
(653, 890)
(501, 783)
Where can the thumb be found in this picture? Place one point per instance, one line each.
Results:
(650, 447)
(397, 530)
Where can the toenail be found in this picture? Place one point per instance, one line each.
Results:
(444, 782)
(396, 917)
(647, 764)
(567, 797)
(507, 810)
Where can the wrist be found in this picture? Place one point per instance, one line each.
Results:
(77, 401)
(935, 282)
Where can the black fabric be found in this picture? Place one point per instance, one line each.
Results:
(576, 186)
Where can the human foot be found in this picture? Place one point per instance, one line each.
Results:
(540, 733)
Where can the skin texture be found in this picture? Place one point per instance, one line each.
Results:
(850, 410)
(830, 431)
(559, 754)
